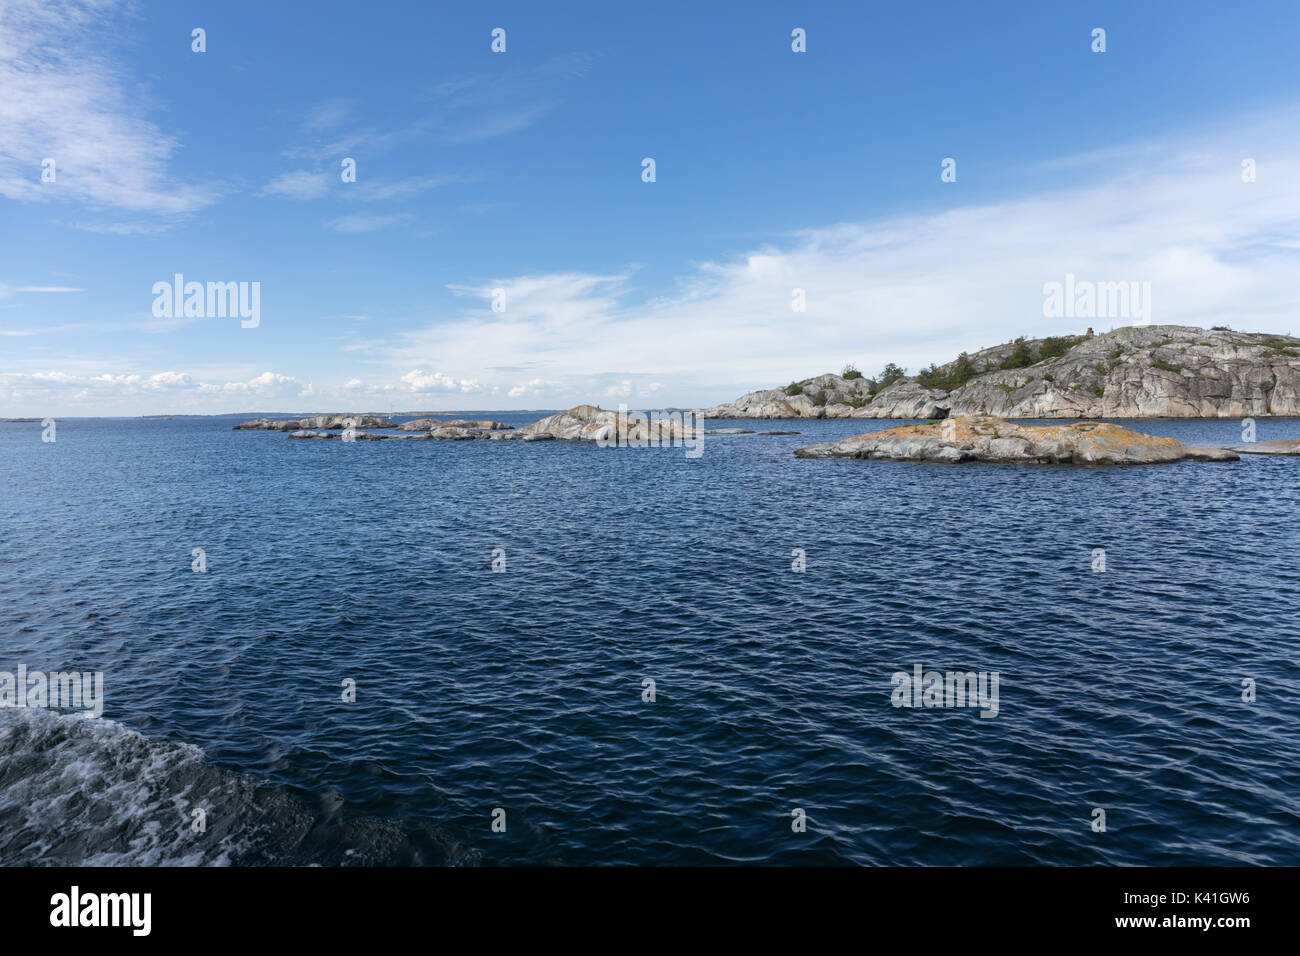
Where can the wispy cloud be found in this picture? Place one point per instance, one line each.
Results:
(368, 222)
(298, 184)
(122, 228)
(65, 101)
(378, 190)
(307, 184)
(8, 290)
(329, 114)
(495, 104)
(499, 121)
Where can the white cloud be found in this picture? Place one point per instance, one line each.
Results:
(535, 386)
(65, 100)
(910, 288)
(268, 383)
(110, 393)
(419, 381)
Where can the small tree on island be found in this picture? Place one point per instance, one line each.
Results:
(889, 375)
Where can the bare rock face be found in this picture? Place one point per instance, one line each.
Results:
(1157, 371)
(989, 439)
(826, 396)
(456, 433)
(905, 398)
(314, 422)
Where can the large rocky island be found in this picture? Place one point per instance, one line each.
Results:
(1157, 371)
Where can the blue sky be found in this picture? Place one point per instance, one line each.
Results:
(521, 171)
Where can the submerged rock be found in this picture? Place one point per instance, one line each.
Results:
(340, 436)
(1280, 446)
(990, 439)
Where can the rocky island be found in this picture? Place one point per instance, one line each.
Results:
(580, 423)
(988, 439)
(314, 421)
(1157, 371)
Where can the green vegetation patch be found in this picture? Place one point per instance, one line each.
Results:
(1055, 346)
(1283, 346)
(963, 370)
(1021, 356)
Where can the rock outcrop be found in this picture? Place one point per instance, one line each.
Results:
(424, 424)
(988, 439)
(826, 396)
(1157, 371)
(314, 422)
(592, 423)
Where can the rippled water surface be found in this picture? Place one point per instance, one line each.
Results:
(523, 689)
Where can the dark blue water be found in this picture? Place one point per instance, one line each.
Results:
(522, 690)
